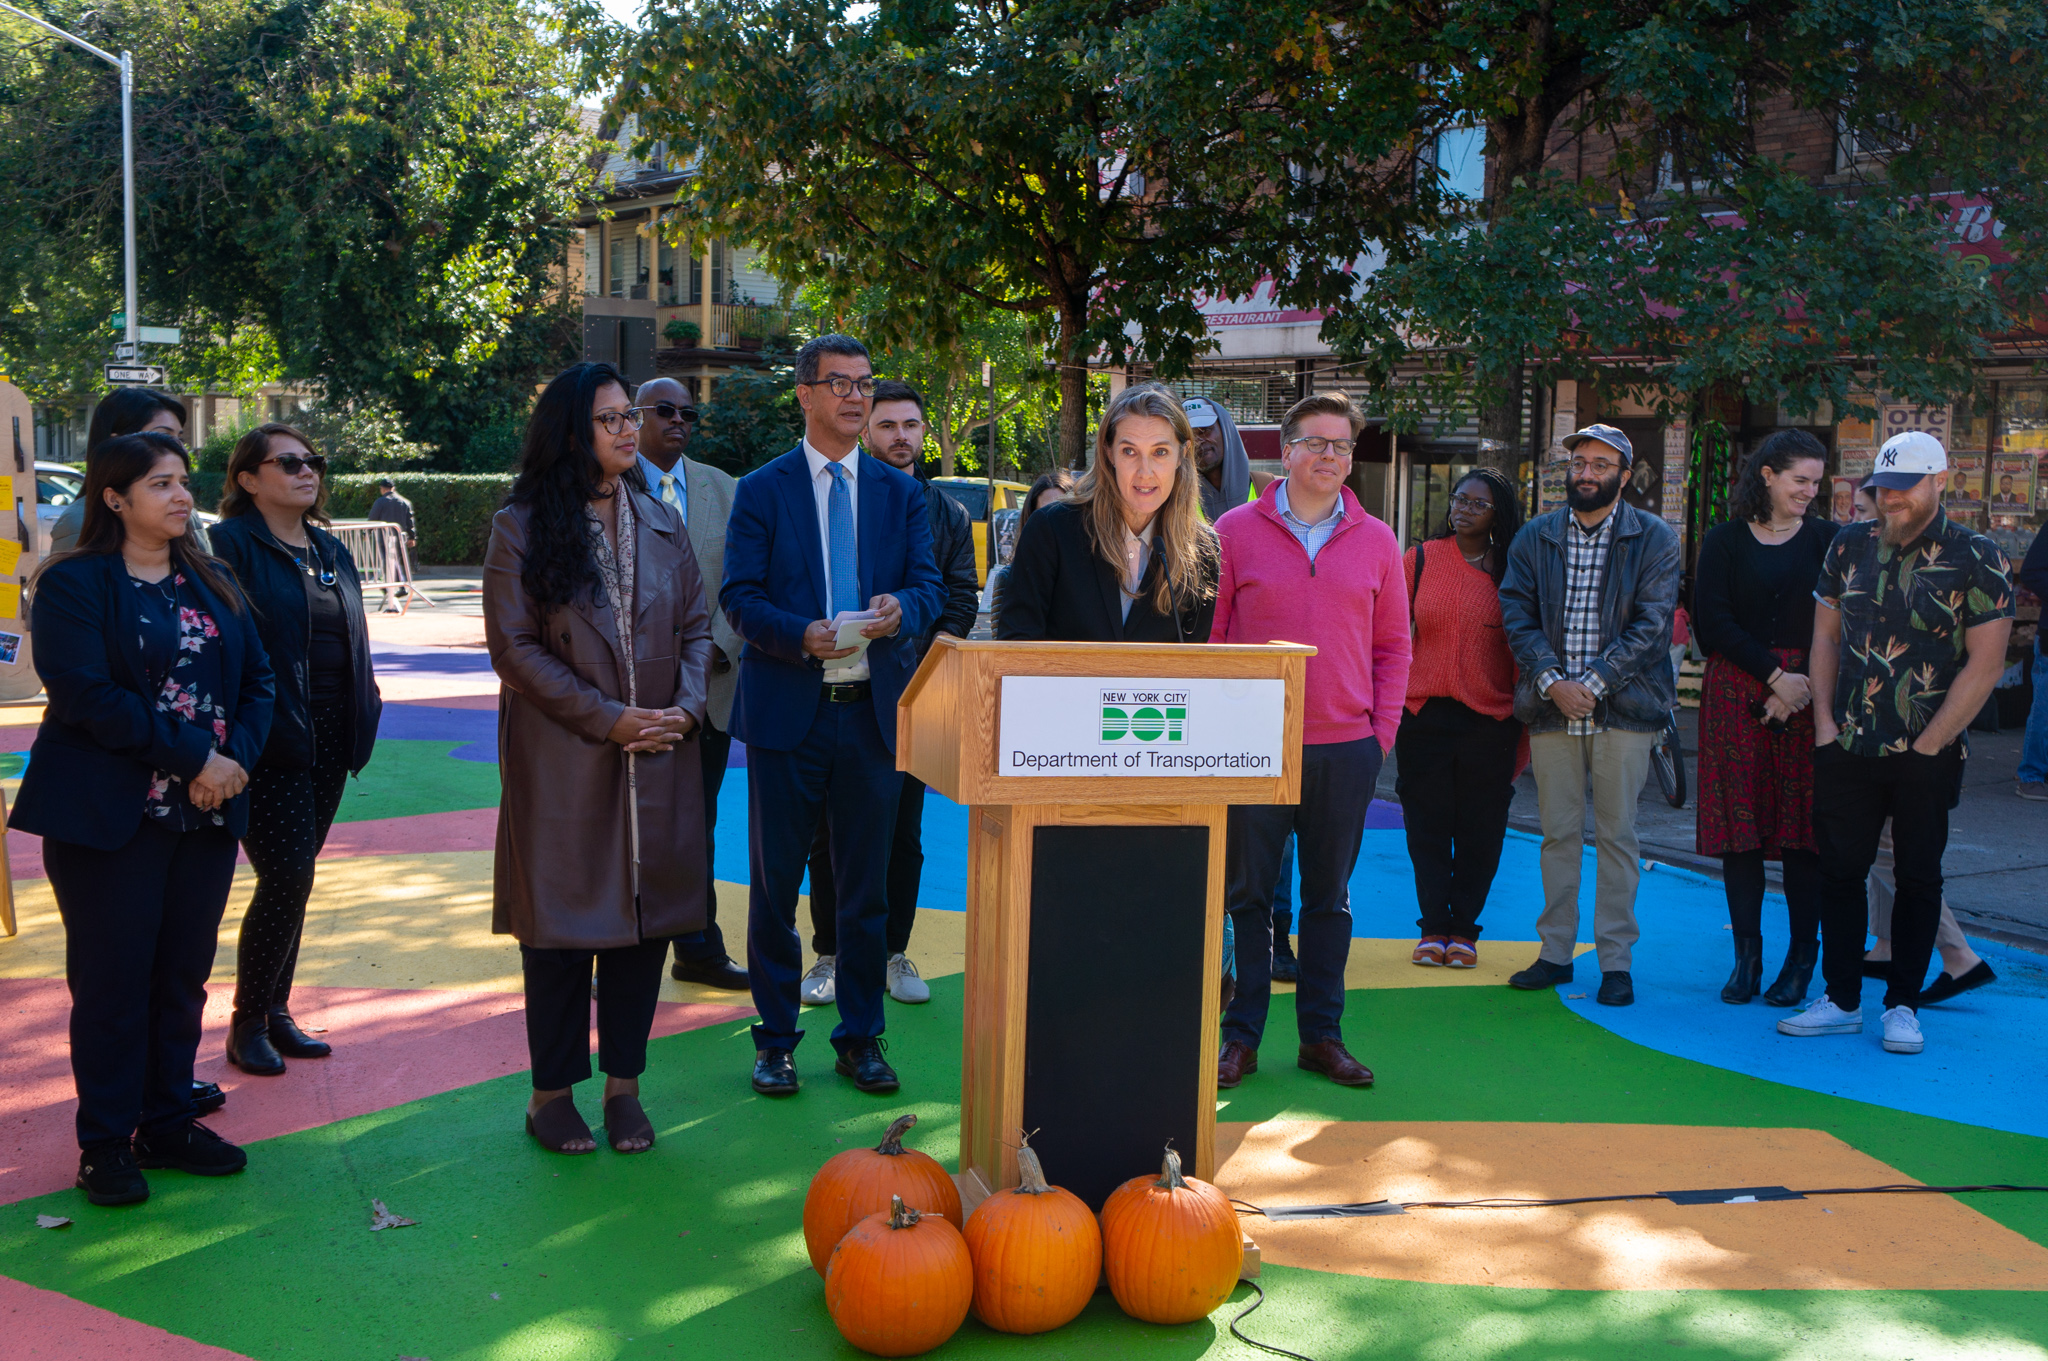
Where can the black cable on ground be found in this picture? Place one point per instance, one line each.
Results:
(1252, 1341)
(1511, 1203)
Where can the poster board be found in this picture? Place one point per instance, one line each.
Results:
(18, 543)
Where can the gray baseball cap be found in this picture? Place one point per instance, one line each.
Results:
(1607, 435)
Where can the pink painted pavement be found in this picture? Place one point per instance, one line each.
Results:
(391, 1046)
(468, 829)
(42, 1324)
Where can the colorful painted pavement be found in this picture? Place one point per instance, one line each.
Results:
(696, 1250)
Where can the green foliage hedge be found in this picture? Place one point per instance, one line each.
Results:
(451, 511)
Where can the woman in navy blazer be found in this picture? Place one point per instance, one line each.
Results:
(159, 704)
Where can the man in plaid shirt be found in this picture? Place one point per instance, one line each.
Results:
(1587, 606)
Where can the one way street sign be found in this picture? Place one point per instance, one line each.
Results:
(138, 375)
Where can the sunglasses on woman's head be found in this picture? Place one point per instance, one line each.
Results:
(294, 464)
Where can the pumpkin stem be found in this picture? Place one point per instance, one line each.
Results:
(892, 1142)
(901, 1216)
(1030, 1172)
(1169, 1171)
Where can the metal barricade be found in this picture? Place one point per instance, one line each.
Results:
(378, 547)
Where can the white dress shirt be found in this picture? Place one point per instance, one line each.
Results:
(821, 489)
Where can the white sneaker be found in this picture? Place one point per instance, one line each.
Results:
(1823, 1018)
(1902, 1031)
(819, 988)
(904, 984)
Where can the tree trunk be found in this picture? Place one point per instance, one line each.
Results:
(1073, 359)
(948, 437)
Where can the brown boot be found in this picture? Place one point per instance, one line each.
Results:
(1334, 1061)
(1235, 1063)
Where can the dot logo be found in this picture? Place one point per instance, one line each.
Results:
(1144, 717)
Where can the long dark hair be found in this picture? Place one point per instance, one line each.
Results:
(1507, 515)
(125, 411)
(1059, 482)
(116, 465)
(558, 478)
(250, 451)
(1751, 500)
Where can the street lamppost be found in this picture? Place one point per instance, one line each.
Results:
(126, 63)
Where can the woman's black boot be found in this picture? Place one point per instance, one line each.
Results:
(292, 1042)
(1749, 970)
(250, 1049)
(1790, 989)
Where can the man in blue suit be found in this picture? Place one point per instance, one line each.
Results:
(820, 532)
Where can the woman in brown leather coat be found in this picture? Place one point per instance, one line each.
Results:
(597, 628)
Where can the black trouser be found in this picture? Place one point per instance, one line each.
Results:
(1337, 781)
(1852, 796)
(1742, 874)
(906, 872)
(289, 814)
(708, 946)
(140, 927)
(558, 1010)
(1456, 778)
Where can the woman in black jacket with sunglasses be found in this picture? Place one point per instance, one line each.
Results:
(308, 602)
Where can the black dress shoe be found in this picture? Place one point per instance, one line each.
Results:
(863, 1062)
(1796, 976)
(250, 1049)
(774, 1072)
(1286, 968)
(1749, 970)
(1948, 985)
(1617, 989)
(1542, 974)
(111, 1176)
(1880, 969)
(207, 1097)
(191, 1147)
(712, 973)
(293, 1043)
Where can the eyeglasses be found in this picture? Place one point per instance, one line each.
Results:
(615, 421)
(1600, 469)
(668, 411)
(1460, 501)
(1315, 446)
(294, 464)
(842, 386)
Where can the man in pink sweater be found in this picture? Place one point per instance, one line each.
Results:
(1305, 564)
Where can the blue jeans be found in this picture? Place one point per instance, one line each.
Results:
(844, 771)
(2034, 754)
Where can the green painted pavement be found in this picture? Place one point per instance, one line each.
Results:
(411, 777)
(696, 1248)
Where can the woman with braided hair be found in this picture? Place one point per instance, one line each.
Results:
(1460, 748)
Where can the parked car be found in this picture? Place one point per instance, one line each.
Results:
(973, 495)
(59, 485)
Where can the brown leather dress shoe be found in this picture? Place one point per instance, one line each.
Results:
(1334, 1061)
(1236, 1061)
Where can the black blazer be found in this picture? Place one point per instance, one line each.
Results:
(102, 739)
(276, 586)
(1059, 590)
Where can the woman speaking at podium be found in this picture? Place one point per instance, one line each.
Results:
(1127, 556)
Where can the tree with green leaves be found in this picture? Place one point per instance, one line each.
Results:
(380, 192)
(1689, 255)
(945, 157)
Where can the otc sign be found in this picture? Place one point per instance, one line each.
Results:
(1101, 725)
(140, 375)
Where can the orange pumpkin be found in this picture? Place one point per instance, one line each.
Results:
(1171, 1245)
(1037, 1254)
(857, 1183)
(899, 1283)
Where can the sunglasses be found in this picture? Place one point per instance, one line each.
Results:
(294, 464)
(668, 411)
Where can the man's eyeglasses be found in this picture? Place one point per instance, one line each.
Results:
(842, 386)
(293, 464)
(1600, 469)
(1315, 446)
(1475, 504)
(668, 411)
(615, 421)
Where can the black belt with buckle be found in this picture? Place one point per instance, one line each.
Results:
(849, 692)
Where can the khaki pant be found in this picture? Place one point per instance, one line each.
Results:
(1618, 762)
(1947, 935)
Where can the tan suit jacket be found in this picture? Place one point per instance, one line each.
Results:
(711, 491)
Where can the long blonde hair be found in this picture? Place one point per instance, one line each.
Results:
(1182, 541)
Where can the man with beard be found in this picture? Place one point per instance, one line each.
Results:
(702, 496)
(1587, 608)
(1910, 641)
(895, 435)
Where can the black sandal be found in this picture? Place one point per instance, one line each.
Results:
(557, 1123)
(627, 1121)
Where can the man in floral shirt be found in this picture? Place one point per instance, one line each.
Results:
(1909, 644)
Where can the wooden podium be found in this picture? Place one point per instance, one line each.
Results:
(1095, 892)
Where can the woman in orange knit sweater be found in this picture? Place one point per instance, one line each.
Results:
(1460, 747)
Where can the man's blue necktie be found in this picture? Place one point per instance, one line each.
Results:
(842, 542)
